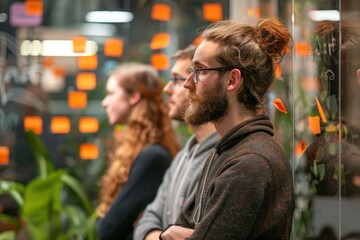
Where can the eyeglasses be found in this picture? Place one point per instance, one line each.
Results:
(198, 71)
(176, 81)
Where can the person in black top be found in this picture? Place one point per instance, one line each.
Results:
(142, 151)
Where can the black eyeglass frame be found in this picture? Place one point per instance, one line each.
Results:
(194, 70)
(175, 80)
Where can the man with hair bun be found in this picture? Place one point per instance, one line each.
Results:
(181, 178)
(246, 188)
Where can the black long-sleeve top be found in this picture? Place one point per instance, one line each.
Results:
(144, 179)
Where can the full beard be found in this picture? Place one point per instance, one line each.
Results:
(211, 107)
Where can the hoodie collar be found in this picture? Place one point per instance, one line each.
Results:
(260, 123)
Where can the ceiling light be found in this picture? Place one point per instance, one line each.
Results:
(320, 15)
(98, 29)
(109, 16)
(62, 48)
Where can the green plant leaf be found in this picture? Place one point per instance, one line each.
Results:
(78, 189)
(41, 154)
(8, 235)
(92, 234)
(42, 206)
(8, 219)
(75, 218)
(15, 190)
(321, 170)
(315, 170)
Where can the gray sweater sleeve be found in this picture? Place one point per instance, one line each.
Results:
(153, 214)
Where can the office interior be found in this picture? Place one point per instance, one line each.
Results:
(56, 55)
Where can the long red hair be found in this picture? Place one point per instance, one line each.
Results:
(148, 124)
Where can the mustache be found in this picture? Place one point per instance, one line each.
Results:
(192, 97)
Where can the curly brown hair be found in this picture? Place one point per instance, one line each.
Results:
(254, 50)
(148, 124)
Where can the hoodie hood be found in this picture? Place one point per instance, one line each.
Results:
(260, 123)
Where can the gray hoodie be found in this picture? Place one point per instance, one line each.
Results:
(178, 186)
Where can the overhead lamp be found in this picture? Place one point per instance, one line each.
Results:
(62, 48)
(97, 29)
(109, 16)
(320, 15)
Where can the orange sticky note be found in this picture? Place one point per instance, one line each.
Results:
(79, 44)
(160, 40)
(321, 111)
(86, 81)
(303, 49)
(161, 12)
(4, 155)
(314, 124)
(34, 7)
(77, 100)
(88, 62)
(88, 125)
(212, 12)
(197, 41)
(300, 148)
(88, 151)
(48, 61)
(279, 105)
(60, 125)
(159, 61)
(277, 71)
(59, 71)
(309, 83)
(33, 123)
(113, 47)
(253, 12)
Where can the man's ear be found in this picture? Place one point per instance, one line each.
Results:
(235, 80)
(358, 78)
(134, 97)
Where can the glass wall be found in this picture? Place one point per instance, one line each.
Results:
(55, 88)
(326, 146)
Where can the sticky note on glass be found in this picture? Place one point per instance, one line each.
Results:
(314, 124)
(212, 12)
(253, 12)
(88, 151)
(197, 41)
(278, 71)
(303, 49)
(19, 18)
(88, 125)
(4, 155)
(160, 40)
(86, 81)
(159, 61)
(77, 100)
(88, 62)
(79, 44)
(321, 111)
(33, 123)
(300, 148)
(279, 105)
(161, 12)
(60, 125)
(34, 7)
(113, 47)
(59, 71)
(48, 61)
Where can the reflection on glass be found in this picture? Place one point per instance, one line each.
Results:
(331, 164)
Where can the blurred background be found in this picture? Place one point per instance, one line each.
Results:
(55, 57)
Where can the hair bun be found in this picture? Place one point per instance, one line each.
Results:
(273, 37)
